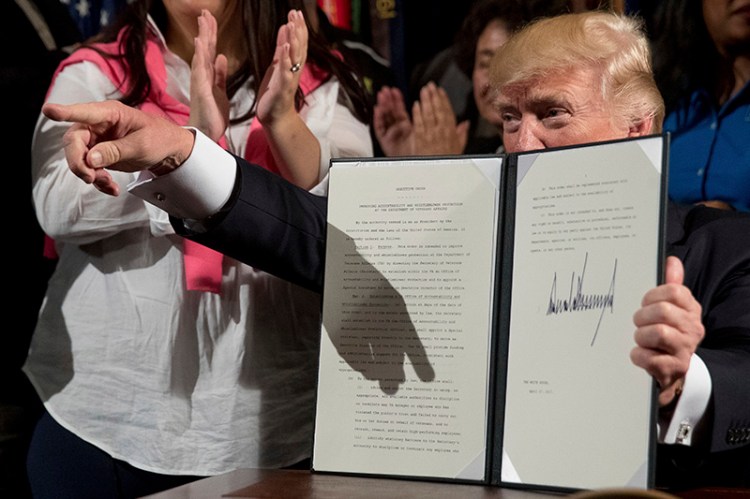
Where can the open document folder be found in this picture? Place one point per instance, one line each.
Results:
(477, 316)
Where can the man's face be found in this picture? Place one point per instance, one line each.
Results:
(562, 109)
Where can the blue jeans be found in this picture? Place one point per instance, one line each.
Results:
(60, 465)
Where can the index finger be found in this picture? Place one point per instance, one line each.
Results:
(678, 295)
(89, 113)
(89, 120)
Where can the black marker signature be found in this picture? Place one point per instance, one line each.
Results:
(581, 301)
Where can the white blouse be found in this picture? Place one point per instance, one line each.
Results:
(169, 380)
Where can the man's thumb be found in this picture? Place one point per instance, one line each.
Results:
(674, 272)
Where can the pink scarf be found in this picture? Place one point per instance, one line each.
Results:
(203, 266)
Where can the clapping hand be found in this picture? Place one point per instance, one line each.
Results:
(279, 86)
(433, 130)
(209, 104)
(393, 127)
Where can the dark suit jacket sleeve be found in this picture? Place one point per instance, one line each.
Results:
(269, 224)
(716, 254)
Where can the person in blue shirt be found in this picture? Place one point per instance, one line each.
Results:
(702, 67)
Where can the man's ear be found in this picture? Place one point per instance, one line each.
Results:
(641, 127)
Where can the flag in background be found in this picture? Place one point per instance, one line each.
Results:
(339, 12)
(92, 15)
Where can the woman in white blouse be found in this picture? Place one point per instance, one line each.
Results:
(197, 364)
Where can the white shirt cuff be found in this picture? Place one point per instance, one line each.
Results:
(199, 188)
(691, 407)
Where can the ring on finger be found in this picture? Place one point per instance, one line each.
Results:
(295, 67)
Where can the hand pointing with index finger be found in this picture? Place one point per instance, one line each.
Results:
(114, 136)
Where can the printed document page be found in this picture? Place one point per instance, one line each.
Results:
(586, 248)
(407, 317)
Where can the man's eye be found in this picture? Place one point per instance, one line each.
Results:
(510, 121)
(555, 112)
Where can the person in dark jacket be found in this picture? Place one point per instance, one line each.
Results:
(692, 333)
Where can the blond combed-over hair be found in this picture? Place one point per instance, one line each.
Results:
(615, 45)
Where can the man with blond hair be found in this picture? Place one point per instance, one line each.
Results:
(571, 79)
